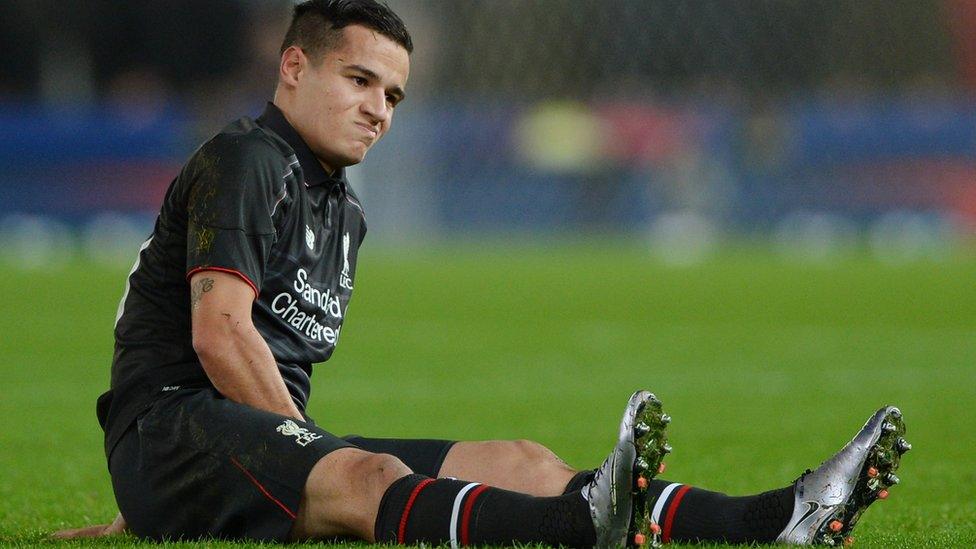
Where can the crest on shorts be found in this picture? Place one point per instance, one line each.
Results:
(302, 435)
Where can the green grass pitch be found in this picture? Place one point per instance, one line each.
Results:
(767, 368)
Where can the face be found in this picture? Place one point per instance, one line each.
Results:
(343, 105)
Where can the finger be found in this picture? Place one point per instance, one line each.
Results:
(118, 526)
(79, 533)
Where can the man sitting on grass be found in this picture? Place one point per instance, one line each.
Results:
(244, 285)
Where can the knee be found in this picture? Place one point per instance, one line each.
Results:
(508, 452)
(522, 455)
(377, 471)
(343, 492)
(529, 451)
(352, 474)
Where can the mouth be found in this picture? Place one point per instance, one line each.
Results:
(369, 130)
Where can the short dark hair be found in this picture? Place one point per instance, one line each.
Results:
(316, 25)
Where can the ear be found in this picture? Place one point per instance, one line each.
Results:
(293, 63)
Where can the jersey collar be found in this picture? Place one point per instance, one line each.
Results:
(315, 174)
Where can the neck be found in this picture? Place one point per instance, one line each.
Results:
(283, 104)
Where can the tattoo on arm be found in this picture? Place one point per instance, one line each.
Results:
(201, 287)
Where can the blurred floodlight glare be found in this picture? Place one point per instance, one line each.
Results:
(904, 237)
(113, 239)
(681, 239)
(34, 242)
(815, 237)
(561, 136)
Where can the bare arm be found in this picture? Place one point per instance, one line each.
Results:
(234, 355)
(232, 351)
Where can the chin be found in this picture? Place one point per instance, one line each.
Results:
(352, 160)
(356, 157)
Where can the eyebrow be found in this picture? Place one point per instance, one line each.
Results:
(396, 91)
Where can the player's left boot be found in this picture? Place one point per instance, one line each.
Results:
(617, 495)
(829, 501)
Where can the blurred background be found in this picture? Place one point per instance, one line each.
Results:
(818, 128)
(764, 210)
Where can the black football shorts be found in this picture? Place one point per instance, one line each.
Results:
(197, 465)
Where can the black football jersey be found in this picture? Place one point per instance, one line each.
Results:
(255, 202)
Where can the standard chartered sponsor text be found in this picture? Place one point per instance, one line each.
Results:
(287, 307)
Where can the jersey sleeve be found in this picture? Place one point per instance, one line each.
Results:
(235, 191)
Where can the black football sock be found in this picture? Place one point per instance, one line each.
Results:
(418, 509)
(692, 514)
(578, 481)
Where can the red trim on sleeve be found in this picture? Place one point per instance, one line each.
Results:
(466, 516)
(264, 491)
(243, 276)
(669, 518)
(401, 533)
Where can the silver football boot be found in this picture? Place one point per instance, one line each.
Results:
(829, 501)
(618, 492)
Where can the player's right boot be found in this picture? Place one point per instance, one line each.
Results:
(617, 495)
(829, 501)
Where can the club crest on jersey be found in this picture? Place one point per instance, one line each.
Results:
(309, 238)
(345, 280)
(302, 435)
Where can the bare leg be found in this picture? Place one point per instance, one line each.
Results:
(517, 465)
(343, 494)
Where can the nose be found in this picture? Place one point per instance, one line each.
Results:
(376, 108)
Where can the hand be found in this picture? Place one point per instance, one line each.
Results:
(117, 527)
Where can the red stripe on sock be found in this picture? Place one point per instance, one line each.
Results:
(401, 533)
(669, 518)
(466, 515)
(264, 491)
